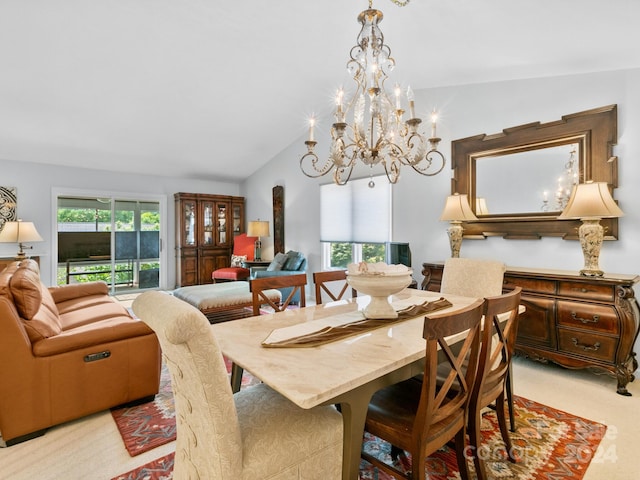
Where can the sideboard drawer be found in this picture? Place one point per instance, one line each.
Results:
(601, 318)
(532, 284)
(588, 345)
(590, 291)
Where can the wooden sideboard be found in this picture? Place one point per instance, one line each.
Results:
(572, 320)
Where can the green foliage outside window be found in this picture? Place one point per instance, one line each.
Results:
(342, 253)
(373, 252)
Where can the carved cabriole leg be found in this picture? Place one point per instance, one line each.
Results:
(627, 362)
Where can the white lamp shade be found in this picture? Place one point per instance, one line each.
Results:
(19, 232)
(258, 228)
(457, 209)
(590, 200)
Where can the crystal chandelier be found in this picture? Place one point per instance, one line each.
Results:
(369, 126)
(566, 181)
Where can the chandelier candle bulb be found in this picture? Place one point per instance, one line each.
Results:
(434, 119)
(412, 105)
(312, 122)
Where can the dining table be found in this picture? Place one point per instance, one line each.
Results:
(346, 371)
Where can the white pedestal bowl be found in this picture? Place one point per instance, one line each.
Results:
(380, 287)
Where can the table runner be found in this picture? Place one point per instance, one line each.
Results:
(332, 333)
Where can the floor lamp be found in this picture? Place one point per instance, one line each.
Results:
(258, 228)
(590, 202)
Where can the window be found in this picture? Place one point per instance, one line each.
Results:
(355, 222)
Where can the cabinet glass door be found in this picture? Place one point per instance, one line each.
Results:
(237, 219)
(207, 223)
(189, 212)
(222, 227)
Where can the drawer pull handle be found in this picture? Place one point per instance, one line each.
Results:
(595, 319)
(584, 346)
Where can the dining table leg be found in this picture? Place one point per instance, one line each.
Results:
(354, 405)
(236, 377)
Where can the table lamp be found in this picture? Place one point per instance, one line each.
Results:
(258, 228)
(590, 202)
(19, 232)
(456, 210)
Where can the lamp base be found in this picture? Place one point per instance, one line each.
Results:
(591, 236)
(257, 250)
(455, 238)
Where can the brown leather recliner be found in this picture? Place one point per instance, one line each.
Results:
(67, 352)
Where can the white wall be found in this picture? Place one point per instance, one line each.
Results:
(36, 182)
(465, 111)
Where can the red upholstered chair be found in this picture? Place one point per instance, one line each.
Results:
(243, 247)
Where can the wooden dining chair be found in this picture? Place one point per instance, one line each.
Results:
(498, 341)
(258, 286)
(321, 279)
(256, 433)
(414, 415)
(479, 278)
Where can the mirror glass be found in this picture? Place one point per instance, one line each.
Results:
(537, 180)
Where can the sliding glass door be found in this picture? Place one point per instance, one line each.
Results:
(109, 239)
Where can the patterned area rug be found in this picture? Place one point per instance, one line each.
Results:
(549, 443)
(152, 424)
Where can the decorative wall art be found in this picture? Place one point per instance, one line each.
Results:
(8, 202)
(278, 219)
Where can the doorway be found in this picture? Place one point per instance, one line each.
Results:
(109, 238)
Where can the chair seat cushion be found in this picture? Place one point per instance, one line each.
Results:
(231, 273)
(309, 441)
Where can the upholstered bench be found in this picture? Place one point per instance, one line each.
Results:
(222, 301)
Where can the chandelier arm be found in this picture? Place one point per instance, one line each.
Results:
(392, 172)
(431, 156)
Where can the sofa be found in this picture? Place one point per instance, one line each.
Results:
(67, 352)
(290, 263)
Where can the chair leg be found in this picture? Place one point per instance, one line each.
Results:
(509, 388)
(460, 454)
(395, 452)
(504, 431)
(475, 441)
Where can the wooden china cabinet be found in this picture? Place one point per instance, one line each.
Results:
(205, 228)
(570, 319)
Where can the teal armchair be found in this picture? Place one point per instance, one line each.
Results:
(290, 263)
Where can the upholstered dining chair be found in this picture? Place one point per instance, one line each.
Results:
(296, 283)
(322, 279)
(498, 341)
(471, 277)
(253, 434)
(414, 415)
(243, 249)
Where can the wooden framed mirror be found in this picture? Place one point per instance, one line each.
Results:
(517, 180)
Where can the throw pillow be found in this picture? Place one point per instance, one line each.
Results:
(237, 260)
(277, 262)
(294, 260)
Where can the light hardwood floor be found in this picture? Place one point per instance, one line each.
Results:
(91, 448)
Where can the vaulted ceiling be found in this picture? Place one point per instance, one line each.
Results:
(214, 89)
